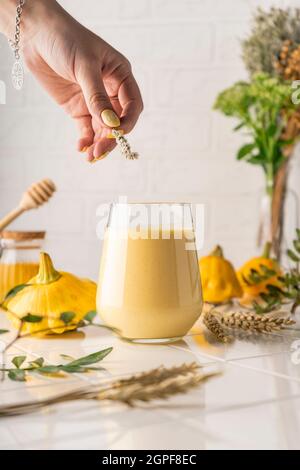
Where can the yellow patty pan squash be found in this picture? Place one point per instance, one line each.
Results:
(49, 294)
(252, 291)
(219, 280)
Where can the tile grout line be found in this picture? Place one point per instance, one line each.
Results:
(243, 366)
(285, 351)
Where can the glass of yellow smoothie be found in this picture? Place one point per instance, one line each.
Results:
(149, 284)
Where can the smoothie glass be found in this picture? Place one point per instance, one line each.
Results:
(149, 284)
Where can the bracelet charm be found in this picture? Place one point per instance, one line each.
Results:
(17, 73)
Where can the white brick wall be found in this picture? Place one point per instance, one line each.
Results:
(183, 53)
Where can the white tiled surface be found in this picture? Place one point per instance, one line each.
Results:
(183, 52)
(253, 404)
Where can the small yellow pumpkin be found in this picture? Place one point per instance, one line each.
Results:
(252, 291)
(49, 294)
(219, 280)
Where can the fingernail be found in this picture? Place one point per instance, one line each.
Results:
(110, 118)
(111, 136)
(84, 149)
(99, 158)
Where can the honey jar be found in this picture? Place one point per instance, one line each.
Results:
(19, 258)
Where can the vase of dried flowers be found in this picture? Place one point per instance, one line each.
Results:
(273, 47)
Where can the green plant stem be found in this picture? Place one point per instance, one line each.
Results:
(45, 330)
(5, 369)
(267, 250)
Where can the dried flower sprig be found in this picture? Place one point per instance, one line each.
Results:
(124, 145)
(287, 63)
(156, 384)
(269, 31)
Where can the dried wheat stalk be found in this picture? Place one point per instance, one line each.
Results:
(124, 145)
(213, 324)
(219, 323)
(157, 384)
(157, 375)
(254, 322)
(130, 394)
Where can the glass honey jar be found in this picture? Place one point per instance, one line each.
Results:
(19, 258)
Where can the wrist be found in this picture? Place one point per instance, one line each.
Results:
(7, 17)
(34, 11)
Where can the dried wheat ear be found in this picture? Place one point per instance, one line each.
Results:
(219, 323)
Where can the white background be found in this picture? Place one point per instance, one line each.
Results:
(183, 52)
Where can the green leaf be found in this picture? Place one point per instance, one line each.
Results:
(293, 256)
(264, 296)
(91, 358)
(89, 317)
(239, 126)
(71, 369)
(48, 369)
(254, 276)
(274, 290)
(245, 150)
(258, 308)
(12, 292)
(272, 130)
(18, 361)
(37, 362)
(296, 244)
(29, 318)
(17, 374)
(267, 271)
(256, 160)
(67, 317)
(67, 357)
(3, 331)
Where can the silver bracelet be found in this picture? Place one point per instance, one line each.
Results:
(17, 73)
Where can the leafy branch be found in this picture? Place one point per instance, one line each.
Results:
(19, 374)
(288, 290)
(81, 365)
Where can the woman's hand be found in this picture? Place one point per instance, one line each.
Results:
(82, 73)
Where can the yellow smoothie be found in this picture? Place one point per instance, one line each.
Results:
(149, 288)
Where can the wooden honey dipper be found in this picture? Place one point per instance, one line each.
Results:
(35, 196)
